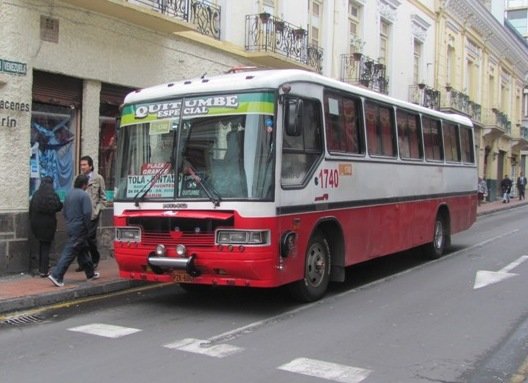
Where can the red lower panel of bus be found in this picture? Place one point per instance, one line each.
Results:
(366, 232)
(214, 268)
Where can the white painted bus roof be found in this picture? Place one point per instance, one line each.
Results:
(268, 79)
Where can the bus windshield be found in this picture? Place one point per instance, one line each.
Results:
(210, 147)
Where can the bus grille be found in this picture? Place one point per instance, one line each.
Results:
(187, 239)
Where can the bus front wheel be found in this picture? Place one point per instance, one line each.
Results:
(437, 247)
(316, 271)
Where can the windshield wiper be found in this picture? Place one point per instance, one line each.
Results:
(140, 195)
(212, 194)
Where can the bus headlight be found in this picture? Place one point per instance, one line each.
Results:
(128, 234)
(160, 250)
(242, 237)
(181, 250)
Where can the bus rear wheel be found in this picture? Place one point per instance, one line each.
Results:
(441, 240)
(316, 271)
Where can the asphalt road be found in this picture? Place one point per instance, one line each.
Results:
(462, 318)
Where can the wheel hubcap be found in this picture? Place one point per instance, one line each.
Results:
(316, 265)
(439, 235)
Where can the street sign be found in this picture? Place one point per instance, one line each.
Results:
(13, 67)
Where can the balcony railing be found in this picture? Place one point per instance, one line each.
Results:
(270, 34)
(495, 118)
(424, 95)
(359, 69)
(201, 13)
(475, 111)
(460, 102)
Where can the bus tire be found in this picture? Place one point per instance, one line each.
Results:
(441, 239)
(316, 271)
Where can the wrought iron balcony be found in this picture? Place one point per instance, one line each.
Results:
(495, 120)
(359, 69)
(424, 95)
(204, 15)
(456, 101)
(265, 33)
(459, 102)
(475, 111)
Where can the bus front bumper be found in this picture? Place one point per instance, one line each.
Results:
(160, 264)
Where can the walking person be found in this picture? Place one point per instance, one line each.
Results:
(506, 185)
(482, 190)
(521, 185)
(96, 191)
(43, 207)
(78, 212)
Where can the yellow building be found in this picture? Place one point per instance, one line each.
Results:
(481, 64)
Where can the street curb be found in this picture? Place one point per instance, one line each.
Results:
(501, 209)
(64, 295)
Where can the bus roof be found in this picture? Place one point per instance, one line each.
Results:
(269, 79)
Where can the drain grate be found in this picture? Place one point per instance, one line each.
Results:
(22, 320)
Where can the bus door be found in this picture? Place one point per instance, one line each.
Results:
(301, 155)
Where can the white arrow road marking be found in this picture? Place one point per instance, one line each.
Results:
(326, 370)
(203, 347)
(106, 330)
(485, 278)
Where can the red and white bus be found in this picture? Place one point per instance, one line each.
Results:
(283, 177)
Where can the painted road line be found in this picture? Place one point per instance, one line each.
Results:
(199, 346)
(485, 278)
(326, 370)
(105, 330)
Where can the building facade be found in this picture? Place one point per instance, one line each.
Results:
(481, 69)
(67, 65)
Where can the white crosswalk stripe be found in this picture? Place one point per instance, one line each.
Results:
(310, 367)
(204, 347)
(105, 330)
(326, 370)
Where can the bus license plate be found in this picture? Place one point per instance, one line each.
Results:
(181, 276)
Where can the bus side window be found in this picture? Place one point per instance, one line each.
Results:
(351, 114)
(380, 129)
(342, 115)
(451, 142)
(403, 136)
(466, 143)
(415, 136)
(409, 135)
(371, 121)
(301, 151)
(432, 139)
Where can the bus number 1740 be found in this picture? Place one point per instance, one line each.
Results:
(329, 178)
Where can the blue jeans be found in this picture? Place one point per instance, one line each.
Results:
(76, 246)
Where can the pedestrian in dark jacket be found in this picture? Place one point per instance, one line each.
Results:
(43, 207)
(78, 214)
(506, 185)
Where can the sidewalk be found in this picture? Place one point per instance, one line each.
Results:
(23, 292)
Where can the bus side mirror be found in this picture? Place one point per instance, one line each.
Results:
(293, 116)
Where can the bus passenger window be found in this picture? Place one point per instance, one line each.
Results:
(451, 143)
(380, 130)
(432, 139)
(466, 143)
(342, 119)
(409, 135)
